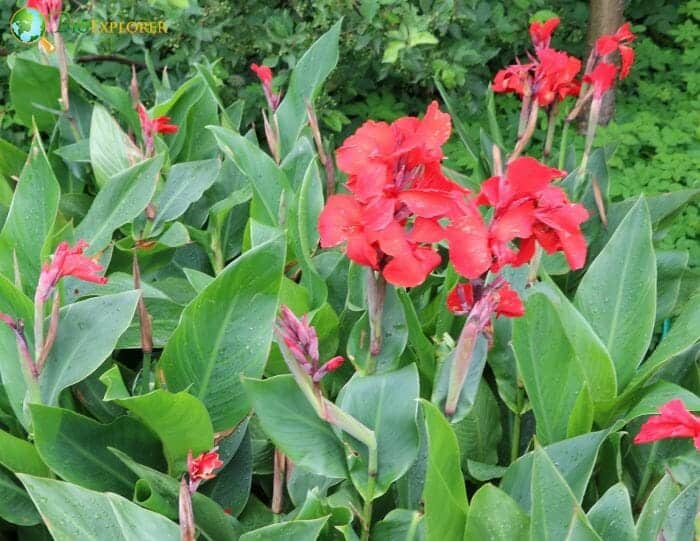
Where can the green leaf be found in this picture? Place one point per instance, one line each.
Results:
(386, 404)
(685, 331)
(479, 433)
(657, 395)
(399, 524)
(117, 97)
(75, 447)
(266, 178)
(682, 513)
(493, 515)
(225, 332)
(14, 302)
(581, 419)
(548, 369)
(11, 159)
(155, 486)
(288, 531)
(34, 88)
(15, 505)
(418, 342)
(653, 515)
(185, 184)
(611, 515)
(618, 292)
(555, 508)
(31, 217)
(69, 512)
(444, 493)
(121, 200)
(20, 456)
(671, 266)
(421, 38)
(574, 457)
(305, 84)
(111, 150)
(87, 334)
(231, 488)
(590, 355)
(179, 419)
(391, 53)
(303, 217)
(292, 424)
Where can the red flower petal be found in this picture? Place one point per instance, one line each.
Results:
(264, 73)
(673, 421)
(541, 32)
(469, 246)
(461, 299)
(509, 302)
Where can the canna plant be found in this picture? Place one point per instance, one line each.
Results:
(205, 335)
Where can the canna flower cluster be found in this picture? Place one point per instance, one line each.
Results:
(152, 126)
(302, 342)
(674, 421)
(401, 206)
(51, 10)
(264, 74)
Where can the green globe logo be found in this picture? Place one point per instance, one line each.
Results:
(27, 25)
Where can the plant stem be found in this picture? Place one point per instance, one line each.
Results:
(460, 365)
(376, 292)
(527, 134)
(515, 438)
(562, 144)
(38, 326)
(279, 463)
(646, 476)
(551, 125)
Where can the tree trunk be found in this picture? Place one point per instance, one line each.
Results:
(605, 17)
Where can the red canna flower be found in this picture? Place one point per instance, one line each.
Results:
(68, 261)
(150, 127)
(515, 78)
(341, 220)
(480, 301)
(602, 78)
(555, 76)
(674, 421)
(202, 468)
(50, 9)
(618, 41)
(541, 32)
(264, 73)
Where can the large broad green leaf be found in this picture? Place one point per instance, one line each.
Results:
(444, 493)
(303, 218)
(592, 358)
(548, 369)
(70, 513)
(657, 395)
(111, 150)
(266, 178)
(654, 513)
(30, 219)
(192, 108)
(387, 405)
(20, 456)
(308, 530)
(87, 334)
(34, 88)
(556, 511)
(154, 486)
(681, 518)
(11, 159)
(225, 332)
(671, 266)
(574, 458)
(611, 516)
(16, 304)
(685, 331)
(304, 84)
(121, 200)
(179, 419)
(185, 184)
(479, 433)
(398, 524)
(117, 97)
(618, 292)
(292, 424)
(495, 516)
(15, 505)
(75, 447)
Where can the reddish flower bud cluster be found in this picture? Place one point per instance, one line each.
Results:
(151, 126)
(302, 342)
(202, 468)
(264, 73)
(480, 301)
(401, 203)
(50, 9)
(674, 421)
(549, 77)
(68, 261)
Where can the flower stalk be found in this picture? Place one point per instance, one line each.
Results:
(376, 293)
